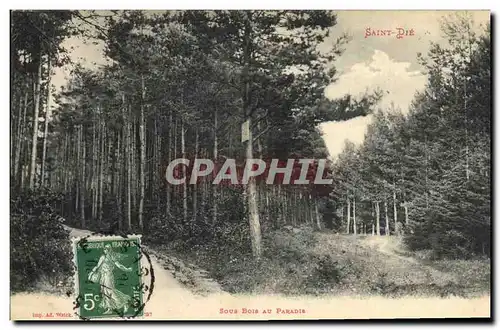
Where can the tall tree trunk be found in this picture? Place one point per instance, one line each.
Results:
(251, 189)
(466, 132)
(348, 215)
(195, 192)
(377, 215)
(404, 196)
(142, 144)
(395, 210)
(20, 135)
(426, 173)
(280, 206)
(36, 109)
(128, 155)
(157, 160)
(82, 183)
(119, 175)
(316, 212)
(254, 222)
(46, 122)
(15, 103)
(184, 185)
(354, 224)
(214, 186)
(387, 228)
(101, 171)
(135, 174)
(170, 131)
(407, 221)
(93, 174)
(77, 176)
(259, 144)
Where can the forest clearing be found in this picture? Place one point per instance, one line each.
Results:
(366, 176)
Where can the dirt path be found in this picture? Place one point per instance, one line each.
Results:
(389, 246)
(173, 301)
(386, 246)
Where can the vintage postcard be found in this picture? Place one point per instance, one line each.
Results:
(250, 165)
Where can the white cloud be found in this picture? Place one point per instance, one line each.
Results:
(380, 72)
(336, 133)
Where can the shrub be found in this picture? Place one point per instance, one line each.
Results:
(289, 246)
(40, 246)
(382, 284)
(452, 244)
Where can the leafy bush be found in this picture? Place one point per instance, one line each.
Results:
(40, 246)
(289, 246)
(382, 284)
(223, 237)
(328, 270)
(452, 244)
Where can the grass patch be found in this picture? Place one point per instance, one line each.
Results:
(298, 261)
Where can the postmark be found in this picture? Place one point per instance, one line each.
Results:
(110, 277)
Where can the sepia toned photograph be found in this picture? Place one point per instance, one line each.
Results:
(250, 165)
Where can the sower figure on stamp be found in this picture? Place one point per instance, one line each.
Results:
(112, 298)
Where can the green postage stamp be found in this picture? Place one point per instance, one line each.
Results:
(108, 277)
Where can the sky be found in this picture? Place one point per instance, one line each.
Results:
(385, 62)
(368, 62)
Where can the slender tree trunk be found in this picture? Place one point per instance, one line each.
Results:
(280, 206)
(387, 228)
(184, 185)
(407, 221)
(119, 174)
(214, 186)
(377, 214)
(36, 110)
(354, 224)
(77, 175)
(135, 173)
(101, 171)
(175, 189)
(426, 173)
(15, 103)
(20, 135)
(46, 122)
(259, 144)
(128, 155)
(316, 212)
(348, 215)
(66, 162)
(394, 204)
(195, 192)
(82, 184)
(170, 130)
(466, 133)
(142, 146)
(157, 160)
(93, 174)
(404, 196)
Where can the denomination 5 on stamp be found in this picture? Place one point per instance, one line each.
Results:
(108, 281)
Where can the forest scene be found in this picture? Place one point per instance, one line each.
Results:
(408, 212)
